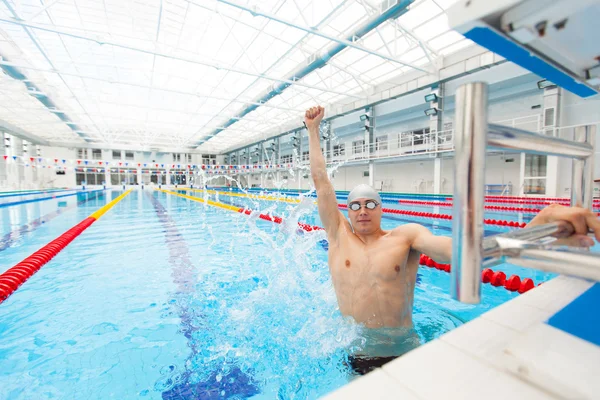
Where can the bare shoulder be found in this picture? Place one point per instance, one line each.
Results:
(408, 230)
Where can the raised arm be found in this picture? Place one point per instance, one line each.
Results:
(326, 200)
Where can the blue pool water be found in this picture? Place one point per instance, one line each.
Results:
(165, 298)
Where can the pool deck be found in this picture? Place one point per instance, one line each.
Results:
(544, 344)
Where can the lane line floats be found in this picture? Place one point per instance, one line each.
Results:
(250, 195)
(514, 283)
(512, 224)
(498, 278)
(14, 203)
(14, 277)
(241, 210)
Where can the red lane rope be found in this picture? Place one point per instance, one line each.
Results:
(440, 204)
(513, 224)
(14, 277)
(498, 278)
(528, 200)
(279, 220)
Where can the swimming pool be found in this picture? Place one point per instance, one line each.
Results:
(166, 298)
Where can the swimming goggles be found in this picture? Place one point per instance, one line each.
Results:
(369, 204)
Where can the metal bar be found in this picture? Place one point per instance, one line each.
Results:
(256, 12)
(566, 261)
(506, 137)
(197, 61)
(468, 209)
(583, 170)
(492, 248)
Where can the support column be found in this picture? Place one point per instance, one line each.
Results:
(369, 132)
(277, 159)
(372, 174)
(435, 128)
(550, 120)
(107, 175)
(436, 121)
(261, 163)
(437, 175)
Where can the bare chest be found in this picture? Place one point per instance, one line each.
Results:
(385, 261)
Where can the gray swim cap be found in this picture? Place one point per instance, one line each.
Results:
(363, 192)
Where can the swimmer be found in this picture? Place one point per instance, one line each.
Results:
(374, 271)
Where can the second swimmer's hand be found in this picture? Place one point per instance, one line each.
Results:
(313, 117)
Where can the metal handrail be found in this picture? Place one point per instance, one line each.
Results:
(469, 249)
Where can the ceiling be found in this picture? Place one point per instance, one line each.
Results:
(201, 75)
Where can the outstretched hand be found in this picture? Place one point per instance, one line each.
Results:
(582, 220)
(313, 117)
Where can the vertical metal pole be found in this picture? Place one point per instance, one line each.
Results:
(469, 178)
(582, 177)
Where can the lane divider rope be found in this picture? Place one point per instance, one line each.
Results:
(498, 278)
(512, 224)
(14, 277)
(514, 283)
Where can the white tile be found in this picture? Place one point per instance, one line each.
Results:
(438, 370)
(516, 315)
(555, 361)
(481, 338)
(375, 385)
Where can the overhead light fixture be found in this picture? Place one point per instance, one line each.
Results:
(431, 97)
(431, 111)
(364, 117)
(545, 84)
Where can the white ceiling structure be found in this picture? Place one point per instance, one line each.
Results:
(193, 74)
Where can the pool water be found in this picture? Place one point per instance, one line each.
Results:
(166, 298)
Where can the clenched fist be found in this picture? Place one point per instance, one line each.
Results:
(313, 117)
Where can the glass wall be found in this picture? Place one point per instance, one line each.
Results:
(535, 174)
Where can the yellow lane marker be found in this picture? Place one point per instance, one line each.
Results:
(200, 200)
(250, 196)
(100, 212)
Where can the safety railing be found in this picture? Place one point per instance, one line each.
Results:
(469, 249)
(406, 144)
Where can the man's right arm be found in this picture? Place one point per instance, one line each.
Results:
(326, 199)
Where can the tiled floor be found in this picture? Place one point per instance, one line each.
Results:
(509, 352)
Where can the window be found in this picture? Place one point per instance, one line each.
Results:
(358, 146)
(287, 159)
(207, 158)
(381, 142)
(176, 157)
(116, 154)
(96, 154)
(535, 165)
(82, 153)
(339, 150)
(129, 155)
(189, 158)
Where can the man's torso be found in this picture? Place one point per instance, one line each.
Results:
(374, 283)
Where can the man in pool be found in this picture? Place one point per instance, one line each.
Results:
(374, 271)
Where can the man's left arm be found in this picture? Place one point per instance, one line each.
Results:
(422, 240)
(440, 247)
